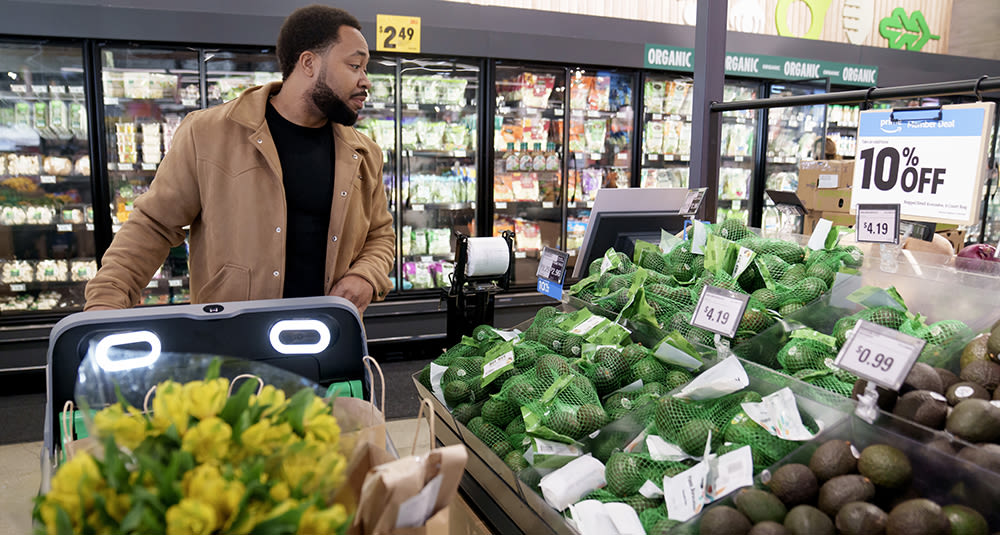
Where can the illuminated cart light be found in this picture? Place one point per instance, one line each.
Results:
(299, 325)
(103, 349)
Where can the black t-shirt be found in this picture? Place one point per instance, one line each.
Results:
(307, 163)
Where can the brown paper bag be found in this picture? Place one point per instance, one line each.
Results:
(361, 421)
(388, 486)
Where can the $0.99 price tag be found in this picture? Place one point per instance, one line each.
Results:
(397, 33)
(878, 223)
(879, 354)
(719, 310)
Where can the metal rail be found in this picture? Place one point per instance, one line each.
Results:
(975, 87)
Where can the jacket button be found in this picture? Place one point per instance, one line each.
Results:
(278, 230)
(275, 273)
(355, 155)
(333, 239)
(343, 194)
(260, 141)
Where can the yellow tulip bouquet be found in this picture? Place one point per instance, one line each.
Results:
(200, 459)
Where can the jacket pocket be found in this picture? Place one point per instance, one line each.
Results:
(231, 283)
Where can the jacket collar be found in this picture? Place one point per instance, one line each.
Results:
(248, 110)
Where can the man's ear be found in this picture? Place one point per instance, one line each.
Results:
(308, 63)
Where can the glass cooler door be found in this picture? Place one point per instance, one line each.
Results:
(147, 91)
(737, 145)
(438, 175)
(228, 73)
(528, 162)
(47, 250)
(666, 131)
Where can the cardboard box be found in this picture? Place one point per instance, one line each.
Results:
(832, 200)
(839, 219)
(817, 175)
(955, 236)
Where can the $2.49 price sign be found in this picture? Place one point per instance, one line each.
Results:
(719, 310)
(879, 354)
(877, 223)
(397, 33)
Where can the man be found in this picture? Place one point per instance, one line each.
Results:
(283, 197)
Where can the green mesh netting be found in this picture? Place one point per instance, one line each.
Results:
(543, 318)
(500, 412)
(656, 522)
(494, 438)
(885, 316)
(944, 339)
(462, 349)
(804, 354)
(526, 353)
(462, 381)
(789, 252)
(688, 423)
(627, 472)
(562, 342)
(465, 412)
(655, 262)
(766, 449)
(732, 229)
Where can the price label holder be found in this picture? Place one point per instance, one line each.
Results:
(918, 229)
(397, 33)
(552, 272)
(877, 223)
(692, 201)
(719, 310)
(880, 355)
(787, 201)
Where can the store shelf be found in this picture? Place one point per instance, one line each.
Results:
(432, 108)
(419, 153)
(621, 158)
(668, 117)
(580, 205)
(450, 257)
(737, 159)
(517, 111)
(514, 205)
(167, 283)
(163, 103)
(664, 160)
(432, 206)
(138, 168)
(51, 227)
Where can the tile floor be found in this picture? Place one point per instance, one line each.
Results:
(20, 469)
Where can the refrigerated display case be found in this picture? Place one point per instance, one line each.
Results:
(47, 249)
(437, 190)
(666, 131)
(737, 148)
(228, 73)
(794, 134)
(146, 93)
(528, 163)
(842, 129)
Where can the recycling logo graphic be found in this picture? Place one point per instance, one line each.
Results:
(906, 32)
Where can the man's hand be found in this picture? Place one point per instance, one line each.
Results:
(355, 289)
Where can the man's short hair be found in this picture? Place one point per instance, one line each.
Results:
(311, 28)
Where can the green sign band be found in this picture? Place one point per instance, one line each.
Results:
(672, 58)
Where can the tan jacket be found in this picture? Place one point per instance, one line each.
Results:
(222, 177)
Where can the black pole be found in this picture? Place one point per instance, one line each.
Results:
(99, 176)
(937, 89)
(709, 78)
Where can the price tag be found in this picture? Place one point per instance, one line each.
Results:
(736, 204)
(590, 204)
(64, 227)
(596, 156)
(153, 284)
(520, 254)
(397, 33)
(75, 90)
(18, 287)
(741, 120)
(931, 162)
(878, 223)
(189, 102)
(90, 227)
(657, 117)
(175, 283)
(412, 107)
(149, 167)
(719, 310)
(879, 354)
(501, 206)
(503, 110)
(552, 265)
(622, 156)
(669, 157)
(125, 167)
(548, 204)
(47, 179)
(692, 201)
(738, 159)
(458, 154)
(378, 105)
(417, 208)
(427, 259)
(653, 157)
(19, 88)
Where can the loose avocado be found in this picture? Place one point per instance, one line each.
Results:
(943, 445)
(768, 527)
(885, 466)
(976, 349)
(975, 420)
(985, 373)
(842, 490)
(917, 517)
(861, 518)
(965, 520)
(993, 342)
(723, 519)
(922, 377)
(964, 390)
(985, 455)
(923, 407)
(947, 377)
(833, 458)
(794, 484)
(760, 505)
(808, 520)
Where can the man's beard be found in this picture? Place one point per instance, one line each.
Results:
(332, 106)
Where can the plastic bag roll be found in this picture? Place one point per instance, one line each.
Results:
(487, 257)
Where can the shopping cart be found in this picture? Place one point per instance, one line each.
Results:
(319, 338)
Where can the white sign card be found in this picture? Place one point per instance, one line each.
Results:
(879, 354)
(877, 223)
(720, 310)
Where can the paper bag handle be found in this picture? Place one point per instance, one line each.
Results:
(67, 421)
(424, 404)
(232, 384)
(145, 400)
(371, 366)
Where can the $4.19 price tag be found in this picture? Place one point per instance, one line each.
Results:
(877, 223)
(879, 354)
(720, 310)
(397, 33)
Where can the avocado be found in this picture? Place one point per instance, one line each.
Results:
(768, 527)
(760, 505)
(984, 455)
(861, 518)
(833, 458)
(993, 342)
(917, 517)
(923, 407)
(885, 466)
(842, 490)
(983, 372)
(723, 519)
(794, 484)
(964, 390)
(965, 520)
(943, 445)
(694, 435)
(976, 349)
(975, 420)
(922, 377)
(947, 378)
(808, 520)
(886, 398)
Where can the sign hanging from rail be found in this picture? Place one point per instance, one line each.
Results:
(930, 161)
(674, 58)
(397, 33)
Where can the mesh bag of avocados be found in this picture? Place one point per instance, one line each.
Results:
(656, 522)
(462, 381)
(627, 472)
(804, 354)
(789, 252)
(688, 423)
(682, 264)
(837, 381)
(681, 322)
(543, 318)
(765, 448)
(562, 342)
(526, 353)
(567, 411)
(886, 316)
(944, 339)
(732, 229)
